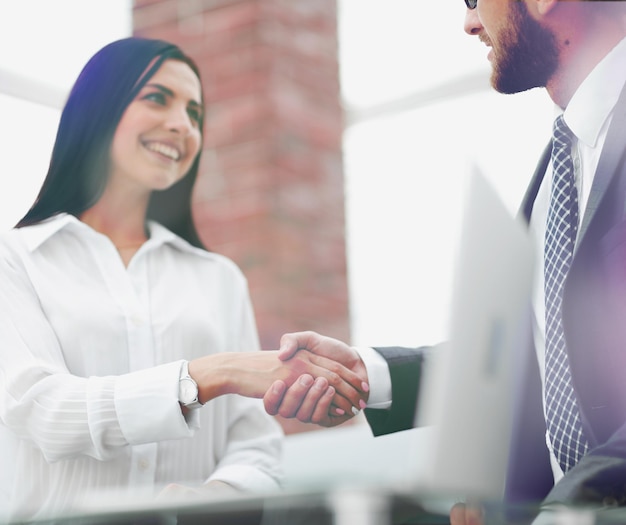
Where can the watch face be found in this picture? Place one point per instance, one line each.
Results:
(188, 391)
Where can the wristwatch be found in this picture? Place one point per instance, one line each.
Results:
(188, 389)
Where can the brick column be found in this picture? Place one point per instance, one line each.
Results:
(271, 190)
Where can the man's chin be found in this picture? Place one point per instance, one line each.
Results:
(509, 85)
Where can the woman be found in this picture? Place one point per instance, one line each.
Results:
(117, 324)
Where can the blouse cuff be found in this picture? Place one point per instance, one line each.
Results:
(245, 478)
(378, 377)
(147, 405)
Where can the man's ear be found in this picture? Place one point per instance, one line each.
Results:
(543, 7)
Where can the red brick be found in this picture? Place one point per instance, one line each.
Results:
(270, 192)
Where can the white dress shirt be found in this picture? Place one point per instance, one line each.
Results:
(588, 115)
(90, 357)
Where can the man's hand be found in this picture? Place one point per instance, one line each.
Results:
(252, 374)
(314, 400)
(464, 514)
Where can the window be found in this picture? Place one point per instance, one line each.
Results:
(422, 112)
(45, 43)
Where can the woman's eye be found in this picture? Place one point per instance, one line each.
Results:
(157, 97)
(194, 114)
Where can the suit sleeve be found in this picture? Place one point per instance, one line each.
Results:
(405, 368)
(599, 478)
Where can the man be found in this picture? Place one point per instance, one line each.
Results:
(575, 401)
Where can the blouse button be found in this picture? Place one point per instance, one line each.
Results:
(137, 320)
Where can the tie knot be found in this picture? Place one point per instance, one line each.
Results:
(561, 134)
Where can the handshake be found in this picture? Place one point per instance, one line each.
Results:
(312, 378)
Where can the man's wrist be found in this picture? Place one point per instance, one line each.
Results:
(378, 377)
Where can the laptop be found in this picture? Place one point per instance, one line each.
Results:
(466, 399)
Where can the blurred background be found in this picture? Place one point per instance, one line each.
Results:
(339, 137)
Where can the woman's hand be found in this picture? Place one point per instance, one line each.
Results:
(178, 492)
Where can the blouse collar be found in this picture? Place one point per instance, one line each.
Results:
(36, 235)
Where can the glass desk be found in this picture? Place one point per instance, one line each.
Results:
(348, 506)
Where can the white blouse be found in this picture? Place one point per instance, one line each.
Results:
(90, 359)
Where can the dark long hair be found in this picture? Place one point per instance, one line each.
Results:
(80, 161)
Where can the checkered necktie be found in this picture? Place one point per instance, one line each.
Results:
(563, 418)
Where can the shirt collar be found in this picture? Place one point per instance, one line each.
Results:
(160, 235)
(595, 98)
(34, 236)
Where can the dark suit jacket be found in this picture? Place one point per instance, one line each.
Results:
(594, 319)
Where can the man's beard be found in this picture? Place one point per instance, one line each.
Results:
(526, 56)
